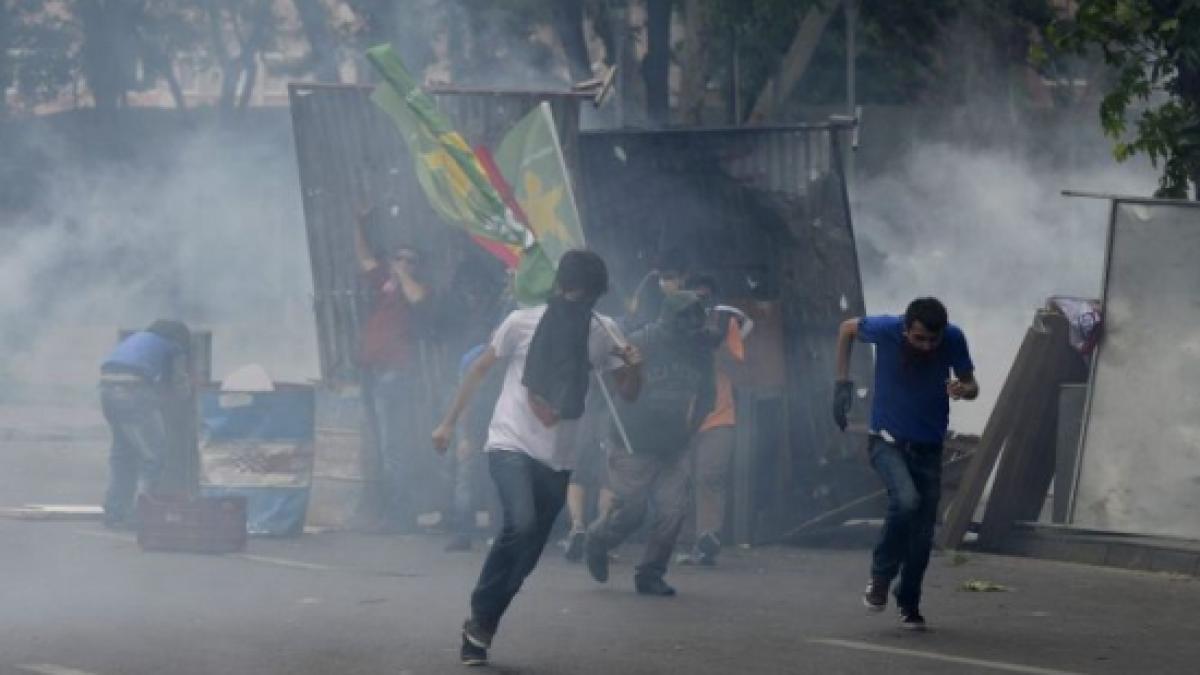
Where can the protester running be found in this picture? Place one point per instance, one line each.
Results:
(551, 352)
(914, 356)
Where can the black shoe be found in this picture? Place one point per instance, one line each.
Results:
(597, 560)
(911, 619)
(875, 597)
(575, 540)
(707, 548)
(471, 653)
(648, 585)
(477, 635)
(459, 542)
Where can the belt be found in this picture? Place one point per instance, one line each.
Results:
(122, 378)
(910, 446)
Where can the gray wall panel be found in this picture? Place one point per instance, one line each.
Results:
(1140, 464)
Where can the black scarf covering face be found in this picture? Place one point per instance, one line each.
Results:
(557, 365)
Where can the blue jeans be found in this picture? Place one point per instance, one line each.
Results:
(460, 466)
(531, 496)
(912, 474)
(139, 449)
(393, 399)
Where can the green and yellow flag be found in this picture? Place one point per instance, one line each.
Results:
(531, 159)
(460, 188)
(449, 172)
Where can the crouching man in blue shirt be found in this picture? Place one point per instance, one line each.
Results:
(914, 356)
(136, 380)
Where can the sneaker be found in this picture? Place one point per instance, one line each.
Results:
(476, 634)
(574, 548)
(875, 597)
(911, 619)
(653, 585)
(472, 654)
(459, 542)
(707, 548)
(597, 560)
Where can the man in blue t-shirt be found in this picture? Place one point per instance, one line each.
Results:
(135, 381)
(914, 357)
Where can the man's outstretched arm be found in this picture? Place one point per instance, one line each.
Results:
(462, 397)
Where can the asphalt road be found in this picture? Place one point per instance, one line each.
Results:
(78, 599)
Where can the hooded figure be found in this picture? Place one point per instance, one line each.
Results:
(678, 387)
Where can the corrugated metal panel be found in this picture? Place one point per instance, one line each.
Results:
(766, 211)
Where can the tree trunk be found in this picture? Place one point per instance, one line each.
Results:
(569, 17)
(656, 68)
(314, 17)
(6, 72)
(250, 67)
(229, 71)
(696, 62)
(778, 88)
(168, 73)
(602, 25)
(107, 62)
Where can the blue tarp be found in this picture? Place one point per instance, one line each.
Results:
(260, 446)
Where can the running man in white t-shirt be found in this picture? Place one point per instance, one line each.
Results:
(530, 445)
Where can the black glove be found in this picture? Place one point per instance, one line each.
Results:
(843, 397)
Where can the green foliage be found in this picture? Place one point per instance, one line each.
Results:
(1154, 51)
(37, 50)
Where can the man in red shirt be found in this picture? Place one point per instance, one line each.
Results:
(387, 361)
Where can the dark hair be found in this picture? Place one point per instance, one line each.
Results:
(582, 270)
(929, 311)
(698, 281)
(672, 260)
(175, 331)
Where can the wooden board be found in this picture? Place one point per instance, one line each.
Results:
(1027, 465)
(995, 434)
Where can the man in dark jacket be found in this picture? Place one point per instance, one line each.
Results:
(135, 380)
(648, 460)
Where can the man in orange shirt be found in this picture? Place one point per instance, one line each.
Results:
(717, 438)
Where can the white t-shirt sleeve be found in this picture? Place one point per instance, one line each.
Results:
(504, 340)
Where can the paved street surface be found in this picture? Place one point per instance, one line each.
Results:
(78, 599)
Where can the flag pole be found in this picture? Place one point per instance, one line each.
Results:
(612, 406)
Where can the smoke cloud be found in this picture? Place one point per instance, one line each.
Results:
(204, 225)
(984, 227)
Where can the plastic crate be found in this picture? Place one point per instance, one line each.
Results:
(192, 525)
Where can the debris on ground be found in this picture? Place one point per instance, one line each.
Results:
(983, 586)
(54, 512)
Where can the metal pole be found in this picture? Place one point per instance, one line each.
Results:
(851, 54)
(851, 85)
(612, 406)
(612, 409)
(735, 82)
